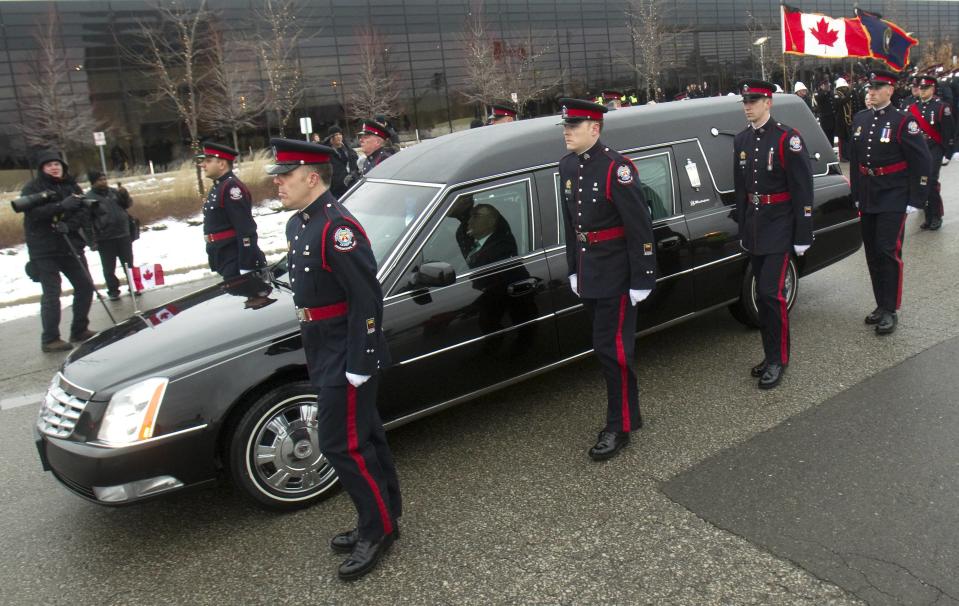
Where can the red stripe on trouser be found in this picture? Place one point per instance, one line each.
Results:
(351, 444)
(902, 229)
(784, 313)
(621, 359)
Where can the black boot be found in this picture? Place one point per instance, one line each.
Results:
(346, 541)
(772, 376)
(608, 444)
(935, 224)
(758, 370)
(875, 316)
(887, 324)
(364, 557)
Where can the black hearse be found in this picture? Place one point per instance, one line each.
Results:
(217, 381)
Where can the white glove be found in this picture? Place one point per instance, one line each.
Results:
(638, 295)
(911, 209)
(245, 271)
(574, 284)
(801, 249)
(357, 380)
(945, 161)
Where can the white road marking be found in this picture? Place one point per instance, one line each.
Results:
(8, 403)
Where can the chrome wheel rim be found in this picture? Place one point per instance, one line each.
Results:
(283, 453)
(789, 287)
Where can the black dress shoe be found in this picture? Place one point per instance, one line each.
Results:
(608, 444)
(887, 324)
(935, 224)
(924, 224)
(364, 557)
(57, 345)
(772, 376)
(346, 541)
(113, 296)
(758, 370)
(875, 316)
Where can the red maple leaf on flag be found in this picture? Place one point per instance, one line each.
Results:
(826, 36)
(148, 275)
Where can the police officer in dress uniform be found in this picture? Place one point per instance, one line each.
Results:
(228, 225)
(774, 206)
(889, 173)
(501, 114)
(937, 123)
(373, 138)
(340, 307)
(611, 256)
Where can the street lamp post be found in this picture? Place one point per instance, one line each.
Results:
(761, 43)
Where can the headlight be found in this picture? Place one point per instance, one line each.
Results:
(132, 412)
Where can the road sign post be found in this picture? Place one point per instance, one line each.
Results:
(100, 139)
(306, 127)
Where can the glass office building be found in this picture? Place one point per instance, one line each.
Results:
(581, 46)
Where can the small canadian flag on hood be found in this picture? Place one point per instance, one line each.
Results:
(149, 275)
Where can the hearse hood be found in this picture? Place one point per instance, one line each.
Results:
(185, 335)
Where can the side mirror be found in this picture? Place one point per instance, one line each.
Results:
(437, 273)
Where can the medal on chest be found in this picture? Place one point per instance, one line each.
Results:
(568, 187)
(769, 159)
(742, 159)
(884, 137)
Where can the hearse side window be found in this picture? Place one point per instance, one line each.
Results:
(483, 227)
(657, 183)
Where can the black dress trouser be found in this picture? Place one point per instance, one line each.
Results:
(882, 235)
(110, 250)
(934, 208)
(353, 440)
(614, 341)
(48, 270)
(770, 274)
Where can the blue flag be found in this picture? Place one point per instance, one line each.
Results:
(887, 41)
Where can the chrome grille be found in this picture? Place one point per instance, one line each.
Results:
(61, 410)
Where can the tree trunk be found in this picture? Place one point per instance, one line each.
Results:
(236, 145)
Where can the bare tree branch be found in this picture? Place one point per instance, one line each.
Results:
(653, 39)
(375, 92)
(232, 101)
(485, 81)
(54, 115)
(522, 75)
(277, 40)
(763, 54)
(175, 53)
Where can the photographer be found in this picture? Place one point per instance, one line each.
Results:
(111, 224)
(344, 162)
(47, 226)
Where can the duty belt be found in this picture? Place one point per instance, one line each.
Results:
(783, 196)
(593, 237)
(220, 235)
(878, 171)
(312, 314)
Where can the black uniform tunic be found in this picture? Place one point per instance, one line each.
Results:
(774, 208)
(937, 123)
(229, 208)
(611, 249)
(340, 306)
(888, 170)
(377, 157)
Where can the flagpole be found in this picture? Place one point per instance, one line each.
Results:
(131, 286)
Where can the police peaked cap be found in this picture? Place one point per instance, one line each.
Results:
(216, 150)
(501, 111)
(756, 89)
(372, 127)
(291, 153)
(883, 76)
(577, 110)
(926, 80)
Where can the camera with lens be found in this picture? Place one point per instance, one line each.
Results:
(25, 203)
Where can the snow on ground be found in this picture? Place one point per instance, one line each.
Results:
(179, 248)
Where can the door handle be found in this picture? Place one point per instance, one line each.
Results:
(522, 287)
(668, 243)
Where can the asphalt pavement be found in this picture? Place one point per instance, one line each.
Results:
(502, 504)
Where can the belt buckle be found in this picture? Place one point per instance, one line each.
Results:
(208, 237)
(582, 237)
(756, 198)
(870, 172)
(302, 314)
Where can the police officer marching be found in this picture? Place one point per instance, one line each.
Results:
(373, 138)
(774, 206)
(935, 120)
(228, 226)
(611, 259)
(888, 173)
(501, 114)
(339, 303)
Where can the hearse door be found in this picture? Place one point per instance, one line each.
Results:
(673, 295)
(717, 256)
(493, 322)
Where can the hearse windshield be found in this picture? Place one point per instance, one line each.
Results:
(386, 211)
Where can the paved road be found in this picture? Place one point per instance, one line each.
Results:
(503, 506)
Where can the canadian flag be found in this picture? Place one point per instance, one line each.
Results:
(822, 36)
(162, 315)
(146, 276)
